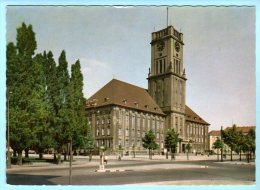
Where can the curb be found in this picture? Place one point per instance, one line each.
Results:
(104, 171)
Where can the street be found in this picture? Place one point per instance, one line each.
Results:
(138, 172)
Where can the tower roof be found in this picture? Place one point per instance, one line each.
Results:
(190, 115)
(123, 94)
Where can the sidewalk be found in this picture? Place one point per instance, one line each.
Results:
(114, 164)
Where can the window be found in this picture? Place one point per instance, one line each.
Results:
(163, 65)
(176, 121)
(108, 121)
(153, 125)
(127, 132)
(157, 135)
(103, 131)
(133, 132)
(102, 121)
(138, 123)
(133, 121)
(97, 132)
(119, 132)
(108, 131)
(126, 143)
(160, 66)
(127, 120)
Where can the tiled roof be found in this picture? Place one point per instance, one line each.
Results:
(244, 129)
(190, 115)
(126, 95)
(215, 133)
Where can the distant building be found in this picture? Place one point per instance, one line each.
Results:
(214, 134)
(121, 113)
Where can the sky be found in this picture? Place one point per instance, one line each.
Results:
(114, 42)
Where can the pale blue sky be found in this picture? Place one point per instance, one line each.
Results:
(219, 51)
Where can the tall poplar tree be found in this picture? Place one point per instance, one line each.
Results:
(62, 126)
(20, 89)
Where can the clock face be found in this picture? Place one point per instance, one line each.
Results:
(177, 46)
(160, 46)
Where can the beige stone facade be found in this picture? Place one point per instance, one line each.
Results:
(114, 126)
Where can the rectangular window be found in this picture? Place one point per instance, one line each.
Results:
(127, 132)
(127, 120)
(138, 123)
(108, 131)
(97, 131)
(133, 121)
(119, 132)
(160, 66)
(103, 131)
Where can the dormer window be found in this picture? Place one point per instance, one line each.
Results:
(106, 99)
(124, 100)
(146, 106)
(136, 104)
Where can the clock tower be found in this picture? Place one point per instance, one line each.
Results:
(166, 78)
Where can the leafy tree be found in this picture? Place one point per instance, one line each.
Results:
(240, 140)
(149, 142)
(188, 147)
(230, 138)
(171, 142)
(217, 145)
(248, 146)
(62, 130)
(22, 89)
(42, 110)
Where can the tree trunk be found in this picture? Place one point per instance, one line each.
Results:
(19, 158)
(240, 155)
(55, 157)
(15, 153)
(231, 156)
(90, 156)
(26, 153)
(65, 156)
(218, 154)
(187, 155)
(59, 158)
(40, 155)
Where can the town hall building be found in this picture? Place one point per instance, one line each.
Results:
(121, 113)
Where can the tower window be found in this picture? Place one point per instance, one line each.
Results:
(160, 66)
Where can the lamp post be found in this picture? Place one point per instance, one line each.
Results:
(101, 165)
(222, 143)
(8, 164)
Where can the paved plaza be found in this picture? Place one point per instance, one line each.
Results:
(198, 170)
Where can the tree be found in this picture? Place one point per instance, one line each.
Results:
(230, 137)
(217, 145)
(22, 89)
(240, 140)
(249, 144)
(171, 142)
(188, 147)
(62, 130)
(149, 142)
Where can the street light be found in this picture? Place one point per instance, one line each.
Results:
(222, 143)
(8, 164)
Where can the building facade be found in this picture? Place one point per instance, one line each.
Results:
(121, 113)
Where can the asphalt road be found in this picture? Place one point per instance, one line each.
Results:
(142, 172)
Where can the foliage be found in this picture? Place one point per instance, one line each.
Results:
(171, 141)
(149, 142)
(230, 136)
(46, 105)
(217, 145)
